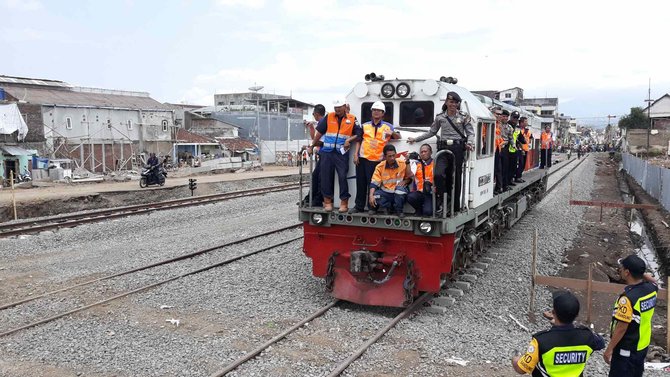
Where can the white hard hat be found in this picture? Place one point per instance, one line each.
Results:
(379, 105)
(339, 102)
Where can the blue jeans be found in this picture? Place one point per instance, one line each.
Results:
(393, 201)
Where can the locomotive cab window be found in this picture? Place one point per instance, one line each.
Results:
(366, 112)
(486, 141)
(417, 113)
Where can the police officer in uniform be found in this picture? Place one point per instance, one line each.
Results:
(631, 320)
(456, 135)
(564, 348)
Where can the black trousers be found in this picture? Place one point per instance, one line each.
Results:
(504, 166)
(443, 174)
(511, 166)
(545, 158)
(522, 164)
(498, 171)
(364, 171)
(627, 366)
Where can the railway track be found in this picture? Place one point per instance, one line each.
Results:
(342, 366)
(77, 293)
(71, 220)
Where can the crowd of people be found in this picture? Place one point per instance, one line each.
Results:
(413, 180)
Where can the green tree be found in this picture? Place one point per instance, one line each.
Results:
(637, 119)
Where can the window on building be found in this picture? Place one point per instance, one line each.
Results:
(68, 123)
(486, 132)
(508, 95)
(130, 124)
(416, 113)
(366, 112)
(165, 125)
(547, 112)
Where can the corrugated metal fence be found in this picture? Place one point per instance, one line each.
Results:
(654, 179)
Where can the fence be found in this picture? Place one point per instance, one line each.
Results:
(654, 179)
(276, 152)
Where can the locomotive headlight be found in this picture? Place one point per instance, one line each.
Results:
(402, 89)
(317, 218)
(425, 227)
(388, 90)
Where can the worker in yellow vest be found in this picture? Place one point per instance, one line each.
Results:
(376, 134)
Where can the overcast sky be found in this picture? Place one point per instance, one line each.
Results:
(596, 56)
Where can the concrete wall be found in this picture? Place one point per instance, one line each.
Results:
(637, 141)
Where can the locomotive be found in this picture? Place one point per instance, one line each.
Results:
(387, 261)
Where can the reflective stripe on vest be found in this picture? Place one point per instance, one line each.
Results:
(374, 140)
(546, 140)
(388, 178)
(337, 133)
(512, 144)
(566, 361)
(419, 175)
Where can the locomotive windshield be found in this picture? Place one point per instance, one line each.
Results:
(417, 113)
(366, 112)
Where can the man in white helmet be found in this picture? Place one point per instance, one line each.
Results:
(369, 152)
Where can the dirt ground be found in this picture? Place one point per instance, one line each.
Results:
(603, 242)
(51, 199)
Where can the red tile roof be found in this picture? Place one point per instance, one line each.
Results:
(237, 144)
(184, 136)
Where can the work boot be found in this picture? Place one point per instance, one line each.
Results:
(344, 205)
(328, 204)
(355, 210)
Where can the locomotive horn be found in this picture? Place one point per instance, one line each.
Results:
(367, 77)
(443, 79)
(373, 76)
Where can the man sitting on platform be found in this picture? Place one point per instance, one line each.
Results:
(388, 188)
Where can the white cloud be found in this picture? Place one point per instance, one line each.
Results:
(24, 5)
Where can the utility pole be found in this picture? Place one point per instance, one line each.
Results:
(649, 101)
(256, 89)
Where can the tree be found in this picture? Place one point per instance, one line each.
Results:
(637, 119)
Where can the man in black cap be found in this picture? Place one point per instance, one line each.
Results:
(631, 320)
(457, 135)
(514, 147)
(564, 348)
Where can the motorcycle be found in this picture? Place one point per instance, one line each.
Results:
(23, 177)
(153, 175)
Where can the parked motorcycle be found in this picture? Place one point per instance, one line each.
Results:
(23, 177)
(153, 175)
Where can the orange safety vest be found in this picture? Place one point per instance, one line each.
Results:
(526, 134)
(374, 140)
(420, 167)
(388, 178)
(499, 139)
(546, 140)
(337, 132)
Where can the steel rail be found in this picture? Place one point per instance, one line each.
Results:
(146, 287)
(31, 226)
(563, 177)
(230, 367)
(361, 350)
(156, 264)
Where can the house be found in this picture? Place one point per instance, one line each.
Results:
(99, 129)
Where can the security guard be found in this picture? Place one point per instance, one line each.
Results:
(564, 348)
(376, 134)
(505, 137)
(631, 320)
(525, 140)
(457, 135)
(514, 145)
(339, 130)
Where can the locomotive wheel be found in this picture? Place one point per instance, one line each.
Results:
(143, 182)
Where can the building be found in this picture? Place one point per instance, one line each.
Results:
(512, 96)
(99, 129)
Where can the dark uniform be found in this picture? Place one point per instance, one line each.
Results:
(636, 307)
(560, 351)
(443, 168)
